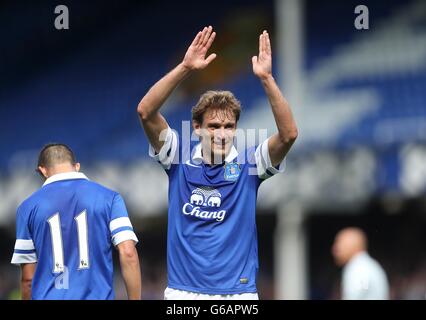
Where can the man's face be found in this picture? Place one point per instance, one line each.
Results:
(341, 250)
(217, 133)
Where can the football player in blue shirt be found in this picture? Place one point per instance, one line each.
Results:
(212, 237)
(65, 233)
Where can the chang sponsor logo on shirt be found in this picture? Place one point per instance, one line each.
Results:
(201, 198)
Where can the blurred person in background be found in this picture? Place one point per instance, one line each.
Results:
(212, 237)
(363, 278)
(65, 233)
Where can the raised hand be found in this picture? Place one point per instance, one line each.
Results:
(262, 64)
(195, 57)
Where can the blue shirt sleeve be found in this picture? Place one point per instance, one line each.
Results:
(120, 226)
(24, 250)
(264, 166)
(169, 153)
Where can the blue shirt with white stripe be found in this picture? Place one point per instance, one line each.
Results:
(212, 237)
(69, 228)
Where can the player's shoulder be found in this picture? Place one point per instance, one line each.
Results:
(99, 188)
(247, 156)
(251, 150)
(30, 202)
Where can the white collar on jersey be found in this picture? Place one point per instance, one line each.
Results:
(65, 176)
(197, 156)
(359, 256)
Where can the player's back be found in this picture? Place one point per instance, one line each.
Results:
(69, 222)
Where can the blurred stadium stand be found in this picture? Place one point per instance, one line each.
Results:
(361, 154)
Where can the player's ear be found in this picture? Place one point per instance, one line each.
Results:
(77, 166)
(42, 171)
(197, 127)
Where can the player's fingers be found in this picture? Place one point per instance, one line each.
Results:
(196, 39)
(210, 58)
(268, 45)
(207, 36)
(264, 35)
(210, 40)
(203, 34)
(254, 60)
(260, 45)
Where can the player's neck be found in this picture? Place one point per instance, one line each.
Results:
(61, 168)
(210, 158)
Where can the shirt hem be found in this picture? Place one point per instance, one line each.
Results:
(213, 291)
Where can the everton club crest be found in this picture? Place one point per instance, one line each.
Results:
(232, 171)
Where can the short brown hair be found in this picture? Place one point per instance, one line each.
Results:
(55, 153)
(223, 101)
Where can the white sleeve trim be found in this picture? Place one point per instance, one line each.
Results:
(119, 222)
(123, 236)
(168, 150)
(265, 169)
(21, 258)
(22, 244)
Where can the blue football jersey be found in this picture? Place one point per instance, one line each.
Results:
(69, 227)
(212, 237)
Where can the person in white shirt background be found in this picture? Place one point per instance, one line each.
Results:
(362, 277)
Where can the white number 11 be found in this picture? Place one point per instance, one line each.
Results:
(57, 245)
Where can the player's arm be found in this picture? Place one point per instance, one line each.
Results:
(130, 269)
(24, 253)
(148, 109)
(280, 143)
(27, 274)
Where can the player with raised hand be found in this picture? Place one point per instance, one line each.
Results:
(212, 238)
(65, 233)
